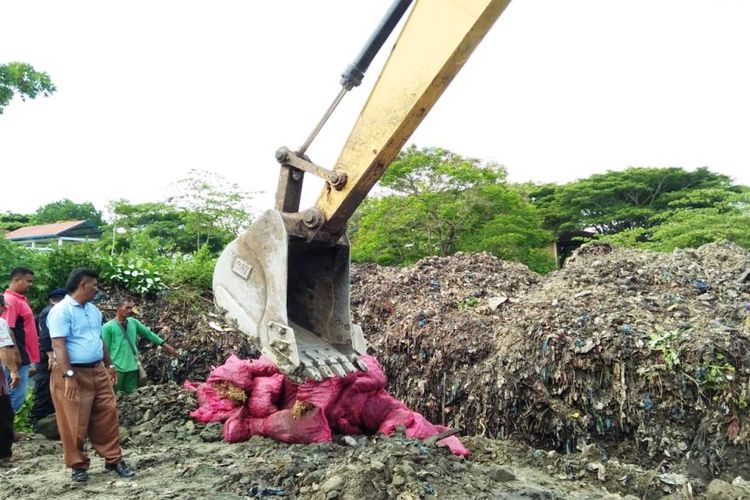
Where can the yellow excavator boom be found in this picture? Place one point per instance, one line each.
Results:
(436, 41)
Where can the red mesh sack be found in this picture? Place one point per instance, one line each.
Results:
(320, 394)
(289, 394)
(418, 427)
(312, 427)
(345, 415)
(235, 428)
(236, 371)
(212, 407)
(376, 409)
(370, 381)
(266, 392)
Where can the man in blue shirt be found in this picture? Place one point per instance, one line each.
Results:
(82, 379)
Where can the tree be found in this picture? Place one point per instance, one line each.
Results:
(11, 221)
(158, 221)
(214, 210)
(512, 231)
(632, 198)
(440, 203)
(444, 187)
(203, 210)
(66, 209)
(24, 80)
(690, 229)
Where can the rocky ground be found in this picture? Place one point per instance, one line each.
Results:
(175, 458)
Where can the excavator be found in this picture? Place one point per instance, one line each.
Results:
(285, 281)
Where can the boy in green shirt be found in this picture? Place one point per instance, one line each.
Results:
(120, 338)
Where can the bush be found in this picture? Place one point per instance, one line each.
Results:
(12, 255)
(194, 270)
(134, 275)
(63, 259)
(22, 422)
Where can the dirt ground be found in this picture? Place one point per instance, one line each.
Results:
(178, 462)
(176, 458)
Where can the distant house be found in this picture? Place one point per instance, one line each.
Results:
(45, 236)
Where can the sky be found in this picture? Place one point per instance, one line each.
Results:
(557, 91)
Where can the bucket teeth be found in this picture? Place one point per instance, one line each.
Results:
(347, 365)
(313, 373)
(360, 364)
(325, 371)
(337, 369)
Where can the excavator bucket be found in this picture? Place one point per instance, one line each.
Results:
(293, 296)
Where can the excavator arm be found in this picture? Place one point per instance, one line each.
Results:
(286, 280)
(436, 41)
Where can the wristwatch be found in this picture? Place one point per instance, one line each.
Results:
(69, 373)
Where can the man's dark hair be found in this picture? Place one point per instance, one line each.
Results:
(124, 299)
(77, 276)
(20, 272)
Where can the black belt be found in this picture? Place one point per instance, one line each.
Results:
(86, 365)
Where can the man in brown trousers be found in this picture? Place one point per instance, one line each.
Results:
(82, 379)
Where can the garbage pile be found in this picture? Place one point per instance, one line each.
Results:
(645, 353)
(431, 323)
(155, 405)
(253, 398)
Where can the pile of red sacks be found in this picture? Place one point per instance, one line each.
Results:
(253, 398)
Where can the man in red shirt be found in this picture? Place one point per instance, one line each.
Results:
(7, 359)
(20, 319)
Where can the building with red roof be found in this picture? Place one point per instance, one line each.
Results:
(45, 236)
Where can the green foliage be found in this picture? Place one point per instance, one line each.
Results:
(442, 203)
(12, 255)
(22, 422)
(204, 210)
(389, 231)
(689, 229)
(468, 303)
(63, 259)
(194, 270)
(160, 222)
(10, 221)
(66, 209)
(513, 233)
(716, 377)
(140, 269)
(634, 198)
(213, 210)
(663, 342)
(22, 79)
(436, 170)
(135, 275)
